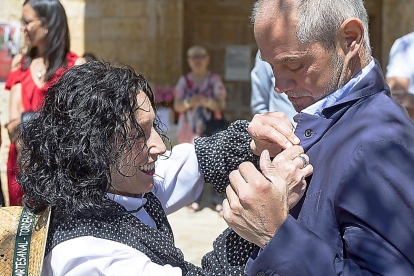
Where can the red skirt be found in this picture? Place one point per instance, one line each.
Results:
(15, 191)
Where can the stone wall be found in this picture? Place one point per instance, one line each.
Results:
(11, 10)
(75, 12)
(148, 34)
(145, 34)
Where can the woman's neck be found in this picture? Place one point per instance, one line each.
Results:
(41, 51)
(115, 192)
(199, 78)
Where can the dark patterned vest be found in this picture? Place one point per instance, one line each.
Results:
(156, 244)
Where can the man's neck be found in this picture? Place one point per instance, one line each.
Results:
(353, 67)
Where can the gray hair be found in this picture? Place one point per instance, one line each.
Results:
(320, 20)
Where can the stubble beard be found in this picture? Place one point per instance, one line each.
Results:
(337, 80)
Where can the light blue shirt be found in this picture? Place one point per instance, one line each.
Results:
(333, 98)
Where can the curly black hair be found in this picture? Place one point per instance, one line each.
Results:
(86, 125)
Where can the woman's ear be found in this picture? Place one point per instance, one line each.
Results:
(351, 37)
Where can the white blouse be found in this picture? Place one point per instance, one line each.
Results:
(178, 182)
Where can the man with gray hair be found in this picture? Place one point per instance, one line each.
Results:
(356, 214)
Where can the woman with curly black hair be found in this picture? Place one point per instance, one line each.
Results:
(91, 154)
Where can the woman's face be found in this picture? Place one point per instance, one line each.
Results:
(143, 156)
(198, 62)
(34, 31)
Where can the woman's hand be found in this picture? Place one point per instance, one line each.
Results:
(197, 100)
(13, 130)
(15, 112)
(271, 131)
(212, 103)
(258, 203)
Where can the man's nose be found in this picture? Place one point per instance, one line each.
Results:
(284, 84)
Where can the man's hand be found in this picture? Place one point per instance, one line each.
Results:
(272, 131)
(257, 204)
(399, 89)
(399, 94)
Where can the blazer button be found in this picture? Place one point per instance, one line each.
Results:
(308, 133)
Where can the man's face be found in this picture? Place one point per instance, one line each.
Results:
(305, 72)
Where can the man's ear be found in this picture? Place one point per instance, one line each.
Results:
(351, 37)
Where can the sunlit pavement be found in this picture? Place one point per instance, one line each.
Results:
(195, 232)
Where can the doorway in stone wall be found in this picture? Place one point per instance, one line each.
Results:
(219, 25)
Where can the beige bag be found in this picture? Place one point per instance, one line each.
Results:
(22, 241)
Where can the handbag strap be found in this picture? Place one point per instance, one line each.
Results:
(30, 241)
(22, 244)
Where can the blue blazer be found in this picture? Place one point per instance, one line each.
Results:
(357, 217)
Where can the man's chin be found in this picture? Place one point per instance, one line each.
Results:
(301, 103)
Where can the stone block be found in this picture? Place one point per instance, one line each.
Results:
(77, 29)
(74, 8)
(92, 9)
(93, 29)
(118, 28)
(11, 9)
(103, 49)
(128, 8)
(100, 8)
(132, 51)
(77, 46)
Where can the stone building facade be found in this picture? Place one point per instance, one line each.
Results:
(152, 36)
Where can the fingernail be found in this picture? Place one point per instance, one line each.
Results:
(266, 154)
(289, 144)
(296, 140)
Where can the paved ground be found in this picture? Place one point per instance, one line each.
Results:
(195, 232)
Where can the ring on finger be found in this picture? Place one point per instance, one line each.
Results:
(305, 162)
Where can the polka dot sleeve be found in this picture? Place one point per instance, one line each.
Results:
(220, 154)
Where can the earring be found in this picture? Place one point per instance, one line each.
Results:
(46, 31)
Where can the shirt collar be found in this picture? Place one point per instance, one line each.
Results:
(130, 203)
(331, 99)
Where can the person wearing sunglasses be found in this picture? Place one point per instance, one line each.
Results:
(46, 33)
(200, 98)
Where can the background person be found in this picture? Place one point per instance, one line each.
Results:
(12, 49)
(200, 98)
(400, 71)
(46, 34)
